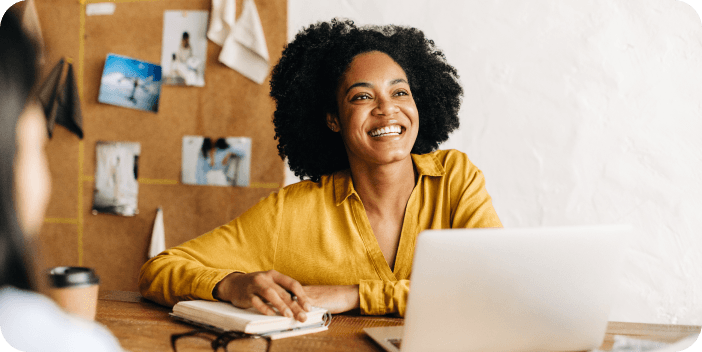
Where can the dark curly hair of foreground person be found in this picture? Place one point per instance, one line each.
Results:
(305, 80)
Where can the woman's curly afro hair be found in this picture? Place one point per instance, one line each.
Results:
(305, 80)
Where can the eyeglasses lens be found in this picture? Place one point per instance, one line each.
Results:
(208, 342)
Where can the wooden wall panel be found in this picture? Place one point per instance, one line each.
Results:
(63, 165)
(229, 105)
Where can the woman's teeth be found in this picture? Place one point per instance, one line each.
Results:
(386, 131)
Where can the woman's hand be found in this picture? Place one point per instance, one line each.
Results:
(262, 288)
(336, 299)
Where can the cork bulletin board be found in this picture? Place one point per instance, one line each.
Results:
(229, 105)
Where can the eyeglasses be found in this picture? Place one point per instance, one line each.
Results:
(202, 340)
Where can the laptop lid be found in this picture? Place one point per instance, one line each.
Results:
(528, 289)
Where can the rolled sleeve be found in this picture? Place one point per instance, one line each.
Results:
(379, 297)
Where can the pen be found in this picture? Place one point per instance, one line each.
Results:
(293, 297)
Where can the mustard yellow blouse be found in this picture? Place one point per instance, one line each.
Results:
(319, 234)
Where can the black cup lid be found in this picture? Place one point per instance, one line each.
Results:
(71, 276)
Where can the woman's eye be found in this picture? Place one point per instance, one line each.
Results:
(361, 97)
(401, 93)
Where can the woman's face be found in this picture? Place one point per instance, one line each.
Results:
(377, 118)
(32, 182)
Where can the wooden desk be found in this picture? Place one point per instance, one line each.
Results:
(141, 325)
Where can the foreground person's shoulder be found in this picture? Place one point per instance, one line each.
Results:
(24, 315)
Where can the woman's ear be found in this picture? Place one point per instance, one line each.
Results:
(333, 122)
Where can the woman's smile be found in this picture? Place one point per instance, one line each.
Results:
(392, 130)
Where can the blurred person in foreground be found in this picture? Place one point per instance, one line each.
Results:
(29, 321)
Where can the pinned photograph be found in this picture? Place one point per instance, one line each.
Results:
(130, 83)
(116, 173)
(216, 161)
(184, 47)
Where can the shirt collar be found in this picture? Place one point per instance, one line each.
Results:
(343, 186)
(426, 164)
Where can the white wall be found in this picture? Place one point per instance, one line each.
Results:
(578, 112)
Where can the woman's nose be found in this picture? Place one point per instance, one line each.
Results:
(386, 107)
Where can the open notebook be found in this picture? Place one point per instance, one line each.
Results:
(223, 316)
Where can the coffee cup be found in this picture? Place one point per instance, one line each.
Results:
(75, 289)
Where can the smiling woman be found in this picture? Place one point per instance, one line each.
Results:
(360, 112)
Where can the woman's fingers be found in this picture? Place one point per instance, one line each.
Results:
(261, 306)
(293, 295)
(290, 301)
(295, 287)
(266, 288)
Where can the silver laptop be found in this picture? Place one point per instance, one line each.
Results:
(528, 289)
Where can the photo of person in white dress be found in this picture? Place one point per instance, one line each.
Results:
(184, 48)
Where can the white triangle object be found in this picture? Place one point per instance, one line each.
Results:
(158, 236)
